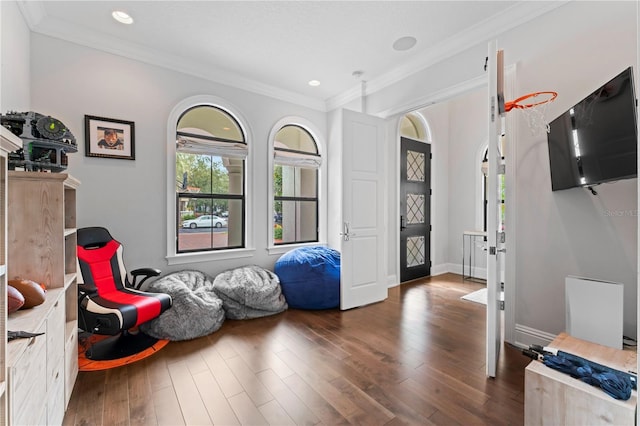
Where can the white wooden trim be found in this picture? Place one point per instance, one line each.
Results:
(494, 324)
(525, 336)
(392, 281)
(321, 145)
(8, 141)
(511, 200)
(249, 177)
(440, 269)
(395, 221)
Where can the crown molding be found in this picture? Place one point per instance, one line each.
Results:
(34, 14)
(483, 31)
(435, 97)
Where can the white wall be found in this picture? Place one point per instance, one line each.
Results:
(15, 36)
(438, 118)
(572, 232)
(468, 138)
(129, 197)
(572, 50)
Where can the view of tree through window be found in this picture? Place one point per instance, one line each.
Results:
(203, 173)
(210, 168)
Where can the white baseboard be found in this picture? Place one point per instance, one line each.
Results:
(456, 268)
(439, 269)
(443, 268)
(526, 336)
(392, 281)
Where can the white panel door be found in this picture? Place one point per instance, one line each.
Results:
(362, 244)
(494, 333)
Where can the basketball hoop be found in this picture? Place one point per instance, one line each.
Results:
(534, 106)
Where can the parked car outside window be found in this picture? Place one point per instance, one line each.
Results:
(206, 221)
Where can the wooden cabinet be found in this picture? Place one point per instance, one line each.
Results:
(555, 398)
(42, 247)
(29, 362)
(8, 143)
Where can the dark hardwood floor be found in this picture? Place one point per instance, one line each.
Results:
(417, 358)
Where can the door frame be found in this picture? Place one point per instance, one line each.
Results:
(395, 114)
(428, 195)
(395, 222)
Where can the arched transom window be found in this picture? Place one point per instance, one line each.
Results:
(295, 186)
(211, 150)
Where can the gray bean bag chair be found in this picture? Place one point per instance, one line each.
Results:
(249, 292)
(196, 310)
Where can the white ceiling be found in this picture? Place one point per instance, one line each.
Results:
(276, 47)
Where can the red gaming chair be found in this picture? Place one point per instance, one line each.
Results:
(108, 303)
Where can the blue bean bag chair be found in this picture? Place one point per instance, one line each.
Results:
(310, 277)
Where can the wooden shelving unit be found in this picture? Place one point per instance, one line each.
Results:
(70, 286)
(42, 248)
(8, 143)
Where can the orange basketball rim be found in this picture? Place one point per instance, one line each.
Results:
(531, 100)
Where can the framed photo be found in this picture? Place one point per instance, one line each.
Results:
(109, 138)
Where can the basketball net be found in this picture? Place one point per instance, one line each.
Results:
(534, 106)
(538, 124)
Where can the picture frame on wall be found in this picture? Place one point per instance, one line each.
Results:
(109, 138)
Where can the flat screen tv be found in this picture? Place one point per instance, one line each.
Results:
(596, 141)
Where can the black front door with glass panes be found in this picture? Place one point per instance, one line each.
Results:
(415, 209)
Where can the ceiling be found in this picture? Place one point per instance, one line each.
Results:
(276, 47)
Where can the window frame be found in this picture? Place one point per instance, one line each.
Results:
(321, 231)
(173, 257)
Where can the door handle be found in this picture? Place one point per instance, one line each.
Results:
(346, 234)
(402, 226)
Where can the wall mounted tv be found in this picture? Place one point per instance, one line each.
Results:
(596, 141)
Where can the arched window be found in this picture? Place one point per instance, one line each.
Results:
(296, 161)
(210, 155)
(411, 126)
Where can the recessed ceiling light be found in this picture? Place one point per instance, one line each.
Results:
(314, 83)
(404, 43)
(122, 17)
